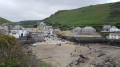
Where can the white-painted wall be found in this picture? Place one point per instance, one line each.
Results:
(18, 33)
(114, 29)
(111, 36)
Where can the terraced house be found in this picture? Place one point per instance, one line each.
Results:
(114, 36)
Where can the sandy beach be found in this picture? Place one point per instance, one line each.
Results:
(72, 55)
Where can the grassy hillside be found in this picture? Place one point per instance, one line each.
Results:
(2, 20)
(28, 23)
(91, 15)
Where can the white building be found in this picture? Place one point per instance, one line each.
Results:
(18, 31)
(109, 28)
(114, 29)
(48, 30)
(77, 30)
(41, 24)
(88, 29)
(114, 36)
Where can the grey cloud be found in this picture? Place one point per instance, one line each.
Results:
(17, 10)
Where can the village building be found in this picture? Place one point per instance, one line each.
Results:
(77, 30)
(48, 30)
(7, 26)
(68, 33)
(41, 24)
(106, 28)
(37, 35)
(56, 31)
(114, 36)
(114, 29)
(4, 31)
(18, 31)
(88, 29)
(30, 29)
(109, 28)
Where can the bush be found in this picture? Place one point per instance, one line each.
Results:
(10, 50)
(12, 55)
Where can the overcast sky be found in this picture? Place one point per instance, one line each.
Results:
(18, 10)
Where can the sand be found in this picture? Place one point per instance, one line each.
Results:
(67, 55)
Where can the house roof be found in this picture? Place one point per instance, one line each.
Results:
(17, 27)
(41, 24)
(5, 24)
(88, 27)
(1, 27)
(56, 29)
(31, 29)
(113, 27)
(107, 27)
(77, 28)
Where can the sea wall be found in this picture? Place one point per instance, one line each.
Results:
(83, 39)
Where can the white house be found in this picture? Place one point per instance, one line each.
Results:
(114, 36)
(48, 30)
(41, 24)
(88, 29)
(114, 29)
(18, 31)
(77, 30)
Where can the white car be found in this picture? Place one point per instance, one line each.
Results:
(34, 45)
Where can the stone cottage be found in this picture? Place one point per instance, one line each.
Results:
(56, 31)
(37, 35)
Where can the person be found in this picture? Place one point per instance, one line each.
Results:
(21, 34)
(75, 50)
(82, 56)
(71, 54)
(95, 50)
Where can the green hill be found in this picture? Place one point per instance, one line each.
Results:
(28, 23)
(2, 20)
(91, 15)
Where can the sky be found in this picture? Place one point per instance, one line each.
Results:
(19, 10)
